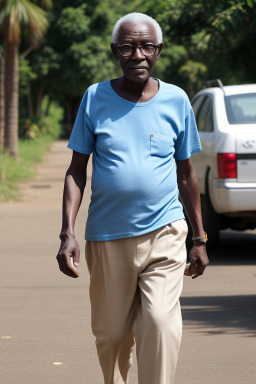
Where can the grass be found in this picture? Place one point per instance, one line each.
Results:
(31, 152)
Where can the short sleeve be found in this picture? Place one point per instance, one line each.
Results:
(82, 137)
(188, 141)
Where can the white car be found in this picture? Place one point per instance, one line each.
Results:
(226, 167)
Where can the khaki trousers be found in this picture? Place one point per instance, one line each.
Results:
(135, 285)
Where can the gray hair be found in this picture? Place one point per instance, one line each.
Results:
(137, 18)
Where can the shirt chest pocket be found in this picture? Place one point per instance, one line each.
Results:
(160, 145)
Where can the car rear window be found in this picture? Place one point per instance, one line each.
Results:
(241, 109)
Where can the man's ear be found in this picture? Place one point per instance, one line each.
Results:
(159, 50)
(114, 50)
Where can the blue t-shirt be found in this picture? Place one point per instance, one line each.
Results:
(134, 146)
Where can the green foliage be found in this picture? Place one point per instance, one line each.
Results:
(26, 74)
(73, 23)
(194, 74)
(32, 149)
(75, 54)
(251, 3)
(13, 172)
(218, 37)
(202, 40)
(44, 125)
(76, 51)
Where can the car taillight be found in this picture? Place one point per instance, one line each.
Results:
(227, 168)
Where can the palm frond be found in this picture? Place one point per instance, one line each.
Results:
(43, 3)
(23, 15)
(46, 3)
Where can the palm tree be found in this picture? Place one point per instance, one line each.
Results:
(17, 18)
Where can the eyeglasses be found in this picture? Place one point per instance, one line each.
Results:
(147, 50)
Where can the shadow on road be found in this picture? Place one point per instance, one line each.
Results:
(234, 248)
(221, 314)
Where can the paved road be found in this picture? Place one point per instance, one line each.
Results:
(45, 333)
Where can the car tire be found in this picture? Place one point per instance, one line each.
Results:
(211, 221)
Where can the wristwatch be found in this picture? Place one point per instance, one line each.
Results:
(201, 239)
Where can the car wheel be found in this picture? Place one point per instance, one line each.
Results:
(211, 221)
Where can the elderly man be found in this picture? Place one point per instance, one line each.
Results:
(142, 134)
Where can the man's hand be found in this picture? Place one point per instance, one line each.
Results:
(69, 256)
(198, 261)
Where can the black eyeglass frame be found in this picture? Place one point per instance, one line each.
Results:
(134, 47)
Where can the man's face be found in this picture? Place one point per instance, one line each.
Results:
(137, 68)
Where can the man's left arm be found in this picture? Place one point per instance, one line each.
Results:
(190, 197)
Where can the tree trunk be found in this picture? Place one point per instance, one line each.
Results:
(30, 103)
(70, 111)
(47, 109)
(1, 101)
(11, 84)
(39, 100)
(67, 124)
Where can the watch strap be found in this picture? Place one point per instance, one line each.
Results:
(202, 239)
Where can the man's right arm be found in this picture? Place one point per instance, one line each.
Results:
(69, 253)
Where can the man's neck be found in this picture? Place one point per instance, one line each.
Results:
(137, 92)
